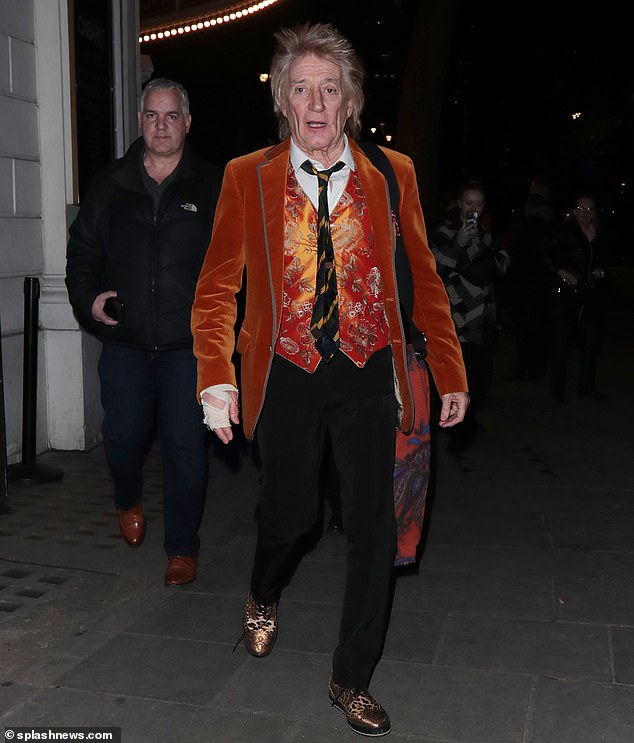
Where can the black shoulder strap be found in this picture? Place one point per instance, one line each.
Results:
(403, 270)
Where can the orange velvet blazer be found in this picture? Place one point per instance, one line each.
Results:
(248, 233)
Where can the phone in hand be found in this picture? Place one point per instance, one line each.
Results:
(113, 307)
(472, 218)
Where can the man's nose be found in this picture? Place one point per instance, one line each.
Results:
(316, 101)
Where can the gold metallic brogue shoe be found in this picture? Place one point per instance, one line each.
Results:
(363, 713)
(259, 626)
(132, 524)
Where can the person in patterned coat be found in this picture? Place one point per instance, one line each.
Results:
(470, 261)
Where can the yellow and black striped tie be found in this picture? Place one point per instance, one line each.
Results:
(325, 321)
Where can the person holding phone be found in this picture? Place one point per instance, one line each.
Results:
(470, 260)
(133, 257)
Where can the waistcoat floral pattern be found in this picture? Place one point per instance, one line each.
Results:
(362, 322)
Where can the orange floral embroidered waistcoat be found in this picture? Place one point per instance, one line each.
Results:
(362, 323)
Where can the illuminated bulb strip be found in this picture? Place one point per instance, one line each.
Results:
(234, 13)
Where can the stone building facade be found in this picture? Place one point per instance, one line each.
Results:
(38, 199)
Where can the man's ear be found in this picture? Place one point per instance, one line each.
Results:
(188, 123)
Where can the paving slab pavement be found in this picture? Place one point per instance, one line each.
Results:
(517, 626)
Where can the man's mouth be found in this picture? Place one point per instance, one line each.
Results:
(315, 124)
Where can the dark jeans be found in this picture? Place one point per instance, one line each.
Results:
(357, 409)
(144, 395)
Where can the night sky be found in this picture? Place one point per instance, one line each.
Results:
(517, 74)
(518, 80)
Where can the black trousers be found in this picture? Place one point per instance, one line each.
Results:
(357, 409)
(574, 322)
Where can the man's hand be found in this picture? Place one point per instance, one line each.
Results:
(454, 407)
(222, 414)
(97, 308)
(567, 277)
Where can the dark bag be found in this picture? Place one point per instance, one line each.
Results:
(569, 300)
(403, 270)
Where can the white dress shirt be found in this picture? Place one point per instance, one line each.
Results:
(337, 182)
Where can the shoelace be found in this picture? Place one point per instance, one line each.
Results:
(262, 617)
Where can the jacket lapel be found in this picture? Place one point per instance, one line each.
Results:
(272, 185)
(376, 194)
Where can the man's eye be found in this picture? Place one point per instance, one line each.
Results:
(299, 88)
(331, 91)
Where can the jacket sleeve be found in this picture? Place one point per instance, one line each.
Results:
(552, 250)
(85, 258)
(431, 305)
(214, 312)
(450, 256)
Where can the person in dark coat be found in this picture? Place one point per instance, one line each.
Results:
(133, 258)
(575, 256)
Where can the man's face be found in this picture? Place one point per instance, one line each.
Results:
(585, 211)
(162, 123)
(315, 108)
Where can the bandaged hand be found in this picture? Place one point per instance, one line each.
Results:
(216, 401)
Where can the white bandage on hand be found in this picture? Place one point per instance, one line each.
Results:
(214, 417)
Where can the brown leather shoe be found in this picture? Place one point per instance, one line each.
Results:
(181, 569)
(260, 627)
(363, 713)
(132, 524)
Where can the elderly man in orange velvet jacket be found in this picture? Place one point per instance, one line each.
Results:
(292, 394)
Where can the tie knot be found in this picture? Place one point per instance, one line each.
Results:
(308, 167)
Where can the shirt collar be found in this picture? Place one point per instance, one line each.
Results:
(298, 156)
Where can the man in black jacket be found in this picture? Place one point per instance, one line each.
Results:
(133, 259)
